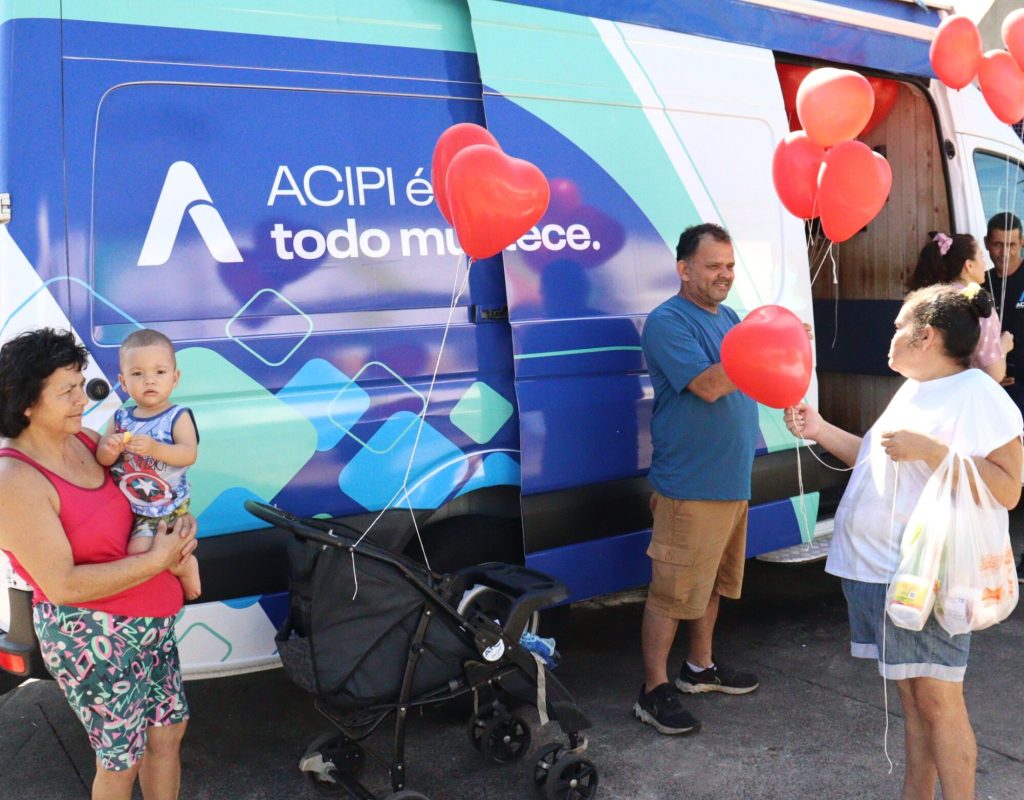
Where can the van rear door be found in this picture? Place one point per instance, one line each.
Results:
(984, 159)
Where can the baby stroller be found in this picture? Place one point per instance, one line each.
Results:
(371, 633)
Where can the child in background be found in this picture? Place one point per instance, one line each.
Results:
(152, 445)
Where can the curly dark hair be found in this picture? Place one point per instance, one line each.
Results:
(26, 361)
(955, 312)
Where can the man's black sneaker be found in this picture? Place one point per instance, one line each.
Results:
(715, 679)
(662, 708)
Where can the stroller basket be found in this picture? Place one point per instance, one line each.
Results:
(370, 633)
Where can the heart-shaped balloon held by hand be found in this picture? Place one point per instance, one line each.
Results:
(853, 186)
(768, 356)
(449, 143)
(494, 198)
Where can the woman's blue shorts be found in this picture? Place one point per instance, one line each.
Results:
(928, 653)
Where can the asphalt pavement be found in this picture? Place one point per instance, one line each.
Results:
(816, 727)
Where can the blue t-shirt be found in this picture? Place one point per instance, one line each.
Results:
(702, 451)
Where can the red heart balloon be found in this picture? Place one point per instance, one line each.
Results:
(1013, 35)
(955, 52)
(448, 144)
(494, 198)
(768, 356)
(1002, 84)
(790, 77)
(795, 168)
(853, 185)
(886, 94)
(834, 105)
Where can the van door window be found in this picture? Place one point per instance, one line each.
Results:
(1001, 181)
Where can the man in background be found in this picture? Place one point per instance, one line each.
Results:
(1003, 242)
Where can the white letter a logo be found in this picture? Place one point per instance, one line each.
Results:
(182, 188)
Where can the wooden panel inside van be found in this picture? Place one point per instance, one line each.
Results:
(875, 264)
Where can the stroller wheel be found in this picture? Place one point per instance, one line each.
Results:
(570, 778)
(544, 760)
(475, 729)
(505, 739)
(326, 757)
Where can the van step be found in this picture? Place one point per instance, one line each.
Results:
(814, 550)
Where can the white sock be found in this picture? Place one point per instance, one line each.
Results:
(694, 668)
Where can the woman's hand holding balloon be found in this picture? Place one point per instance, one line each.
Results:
(803, 421)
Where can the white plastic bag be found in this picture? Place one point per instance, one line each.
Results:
(977, 579)
(911, 593)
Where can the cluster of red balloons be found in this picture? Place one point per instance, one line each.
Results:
(768, 356)
(791, 75)
(489, 197)
(957, 59)
(820, 171)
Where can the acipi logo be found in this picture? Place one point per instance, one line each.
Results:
(183, 191)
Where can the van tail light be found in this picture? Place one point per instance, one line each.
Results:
(13, 663)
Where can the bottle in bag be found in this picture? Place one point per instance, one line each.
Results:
(912, 591)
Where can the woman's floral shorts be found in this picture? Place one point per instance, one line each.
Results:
(120, 675)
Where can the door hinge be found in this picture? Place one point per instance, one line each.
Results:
(5, 208)
(488, 314)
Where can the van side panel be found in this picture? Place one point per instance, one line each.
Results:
(266, 202)
(30, 159)
(882, 34)
(636, 148)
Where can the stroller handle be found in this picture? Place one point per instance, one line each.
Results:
(298, 526)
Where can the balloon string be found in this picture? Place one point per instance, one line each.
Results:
(835, 308)
(885, 683)
(822, 253)
(892, 524)
(807, 535)
(458, 288)
(456, 296)
(807, 443)
(437, 366)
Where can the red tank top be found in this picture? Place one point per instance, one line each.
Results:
(97, 523)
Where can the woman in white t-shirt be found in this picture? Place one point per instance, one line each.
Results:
(943, 405)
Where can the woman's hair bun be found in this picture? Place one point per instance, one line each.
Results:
(980, 300)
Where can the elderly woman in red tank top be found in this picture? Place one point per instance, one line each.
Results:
(105, 620)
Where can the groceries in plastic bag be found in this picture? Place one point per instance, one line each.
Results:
(955, 555)
(911, 594)
(978, 580)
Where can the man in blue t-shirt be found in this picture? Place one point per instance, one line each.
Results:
(704, 434)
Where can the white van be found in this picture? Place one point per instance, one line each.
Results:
(252, 178)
